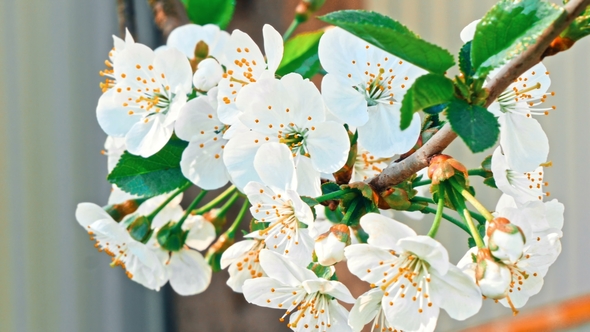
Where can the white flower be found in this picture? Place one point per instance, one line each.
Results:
(311, 301)
(522, 138)
(541, 223)
(142, 264)
(245, 64)
(144, 103)
(522, 186)
(279, 205)
(329, 247)
(414, 274)
(492, 277)
(289, 111)
(202, 160)
(187, 270)
(119, 45)
(364, 87)
(186, 37)
(242, 259)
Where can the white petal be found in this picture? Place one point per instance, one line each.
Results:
(239, 155)
(524, 142)
(177, 69)
(273, 47)
(201, 232)
(365, 309)
(189, 272)
(147, 138)
(468, 31)
(308, 178)
(204, 166)
(456, 293)
(344, 101)
(382, 136)
(363, 258)
(274, 164)
(87, 213)
(235, 252)
(281, 268)
(384, 232)
(145, 266)
(270, 293)
(428, 249)
(113, 118)
(328, 146)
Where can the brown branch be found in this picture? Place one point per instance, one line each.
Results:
(126, 11)
(168, 15)
(398, 172)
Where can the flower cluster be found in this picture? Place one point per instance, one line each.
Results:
(209, 109)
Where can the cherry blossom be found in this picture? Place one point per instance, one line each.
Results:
(364, 87)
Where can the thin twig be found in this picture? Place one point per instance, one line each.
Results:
(126, 11)
(168, 15)
(398, 172)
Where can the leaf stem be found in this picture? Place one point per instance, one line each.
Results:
(234, 226)
(332, 195)
(475, 215)
(225, 208)
(455, 221)
(191, 207)
(291, 29)
(467, 195)
(438, 215)
(215, 201)
(152, 215)
(349, 212)
(474, 232)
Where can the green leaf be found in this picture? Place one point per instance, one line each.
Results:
(301, 55)
(465, 60)
(490, 182)
(151, 176)
(333, 216)
(392, 37)
(477, 127)
(309, 201)
(218, 12)
(508, 29)
(428, 90)
(329, 187)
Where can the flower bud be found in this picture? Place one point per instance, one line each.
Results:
(505, 240)
(214, 252)
(207, 75)
(216, 219)
(493, 277)
(306, 8)
(329, 247)
(119, 211)
(171, 237)
(140, 229)
(443, 167)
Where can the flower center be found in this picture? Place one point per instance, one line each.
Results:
(377, 88)
(520, 102)
(530, 183)
(283, 228)
(410, 279)
(251, 262)
(295, 140)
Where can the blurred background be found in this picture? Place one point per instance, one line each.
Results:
(52, 278)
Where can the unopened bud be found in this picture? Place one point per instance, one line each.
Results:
(493, 277)
(171, 237)
(214, 253)
(444, 167)
(140, 229)
(207, 75)
(329, 247)
(119, 211)
(306, 8)
(216, 219)
(505, 240)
